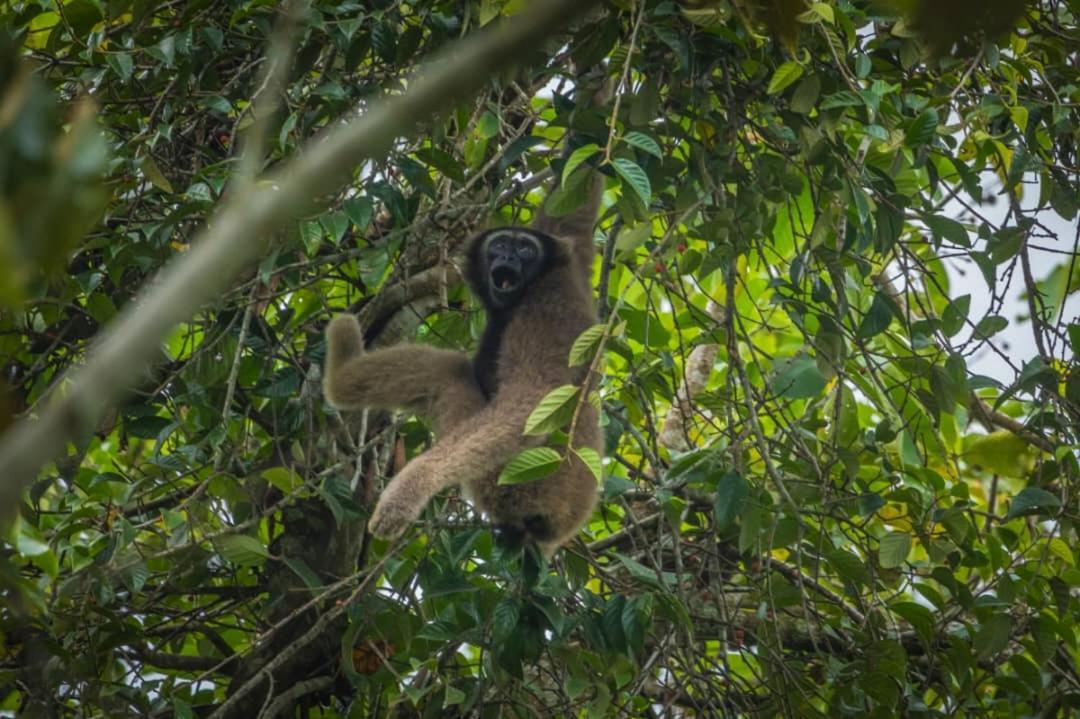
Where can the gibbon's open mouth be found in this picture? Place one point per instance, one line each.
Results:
(505, 279)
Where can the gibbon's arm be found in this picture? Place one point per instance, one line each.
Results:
(577, 225)
(435, 383)
(479, 448)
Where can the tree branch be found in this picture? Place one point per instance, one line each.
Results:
(286, 701)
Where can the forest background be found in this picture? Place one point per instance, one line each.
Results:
(841, 391)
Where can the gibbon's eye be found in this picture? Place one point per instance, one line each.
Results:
(527, 251)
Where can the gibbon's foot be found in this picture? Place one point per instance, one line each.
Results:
(394, 512)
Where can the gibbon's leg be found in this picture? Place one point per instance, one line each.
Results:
(476, 449)
(435, 383)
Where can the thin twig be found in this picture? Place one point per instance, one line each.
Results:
(614, 119)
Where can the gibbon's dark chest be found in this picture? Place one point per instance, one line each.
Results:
(486, 359)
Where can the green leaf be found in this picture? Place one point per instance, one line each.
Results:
(798, 378)
(28, 546)
(992, 636)
(1019, 115)
(888, 226)
(577, 157)
(645, 575)
(630, 238)
(359, 210)
(843, 98)
(241, 549)
(453, 696)
(1032, 500)
(989, 326)
(893, 549)
(121, 63)
(585, 346)
(311, 235)
(999, 452)
(922, 129)
(553, 411)
(576, 685)
(442, 161)
(504, 620)
(569, 195)
(153, 173)
(731, 493)
(784, 76)
(488, 126)
(823, 11)
(283, 478)
(218, 104)
(100, 307)
(335, 224)
(920, 618)
(182, 710)
(516, 149)
(1074, 338)
(850, 567)
(949, 230)
(592, 460)
(806, 95)
(643, 142)
(135, 576)
(302, 570)
(530, 465)
(955, 314)
(878, 318)
(165, 50)
(629, 171)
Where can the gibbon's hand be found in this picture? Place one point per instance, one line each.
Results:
(401, 502)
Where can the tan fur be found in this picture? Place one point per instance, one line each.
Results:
(476, 438)
(434, 383)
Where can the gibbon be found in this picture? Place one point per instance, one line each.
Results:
(534, 283)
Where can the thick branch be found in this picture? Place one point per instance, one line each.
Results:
(234, 237)
(286, 701)
(185, 663)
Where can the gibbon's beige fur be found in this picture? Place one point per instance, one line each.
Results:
(479, 407)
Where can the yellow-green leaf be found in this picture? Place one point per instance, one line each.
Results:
(633, 175)
(894, 549)
(823, 11)
(530, 465)
(586, 344)
(154, 174)
(1019, 115)
(591, 458)
(577, 157)
(241, 549)
(283, 478)
(553, 411)
(643, 142)
(784, 76)
(999, 453)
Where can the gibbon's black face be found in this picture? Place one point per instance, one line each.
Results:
(504, 262)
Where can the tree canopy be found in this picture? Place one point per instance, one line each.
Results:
(836, 274)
